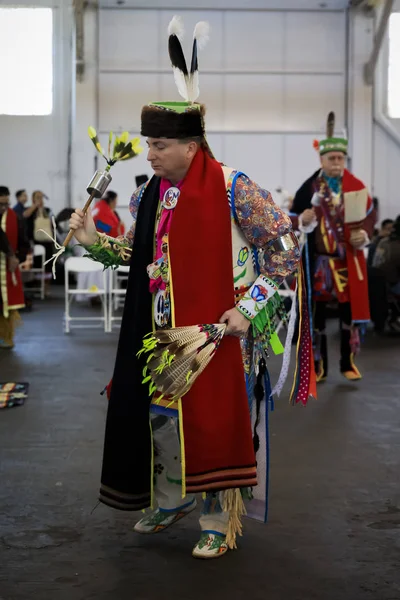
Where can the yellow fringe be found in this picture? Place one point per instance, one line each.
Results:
(320, 375)
(234, 505)
(3, 272)
(353, 364)
(179, 400)
(182, 440)
(8, 325)
(152, 469)
(151, 429)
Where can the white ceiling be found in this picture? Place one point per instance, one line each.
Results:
(229, 4)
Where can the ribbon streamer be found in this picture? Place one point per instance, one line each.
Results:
(60, 249)
(288, 347)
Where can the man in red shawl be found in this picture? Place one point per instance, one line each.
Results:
(208, 245)
(14, 248)
(334, 251)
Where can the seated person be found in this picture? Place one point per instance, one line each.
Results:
(105, 216)
(384, 232)
(387, 260)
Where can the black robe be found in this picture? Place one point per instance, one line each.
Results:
(302, 202)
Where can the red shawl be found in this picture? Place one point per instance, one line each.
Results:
(12, 292)
(356, 289)
(216, 422)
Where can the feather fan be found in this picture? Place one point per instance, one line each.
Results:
(177, 356)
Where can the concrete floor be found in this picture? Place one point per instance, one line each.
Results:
(334, 529)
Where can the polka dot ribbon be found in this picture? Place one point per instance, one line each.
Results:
(305, 384)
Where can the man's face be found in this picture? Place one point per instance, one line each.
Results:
(4, 204)
(333, 163)
(23, 199)
(170, 157)
(386, 229)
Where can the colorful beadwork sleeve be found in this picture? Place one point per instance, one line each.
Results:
(133, 209)
(263, 223)
(114, 252)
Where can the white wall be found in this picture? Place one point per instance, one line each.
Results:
(84, 154)
(360, 98)
(386, 138)
(279, 81)
(267, 88)
(386, 173)
(33, 153)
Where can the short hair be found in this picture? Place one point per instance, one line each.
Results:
(19, 193)
(198, 139)
(4, 191)
(387, 222)
(110, 196)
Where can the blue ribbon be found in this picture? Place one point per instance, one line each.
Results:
(269, 404)
(309, 287)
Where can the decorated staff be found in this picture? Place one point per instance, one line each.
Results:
(122, 150)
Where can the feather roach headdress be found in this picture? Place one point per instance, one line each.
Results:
(179, 119)
(331, 143)
(330, 125)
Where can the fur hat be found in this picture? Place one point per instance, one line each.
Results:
(179, 120)
(176, 120)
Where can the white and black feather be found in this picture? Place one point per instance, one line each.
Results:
(200, 39)
(186, 82)
(177, 57)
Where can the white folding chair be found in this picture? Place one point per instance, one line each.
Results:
(80, 264)
(38, 272)
(117, 293)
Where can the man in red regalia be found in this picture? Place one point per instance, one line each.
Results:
(14, 248)
(324, 208)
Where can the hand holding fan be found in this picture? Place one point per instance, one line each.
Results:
(177, 356)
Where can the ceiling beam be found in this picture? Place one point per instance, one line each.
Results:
(79, 39)
(79, 10)
(369, 68)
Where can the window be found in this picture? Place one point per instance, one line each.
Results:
(26, 61)
(394, 67)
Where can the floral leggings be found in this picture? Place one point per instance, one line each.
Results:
(168, 477)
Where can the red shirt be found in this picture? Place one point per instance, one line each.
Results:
(106, 220)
